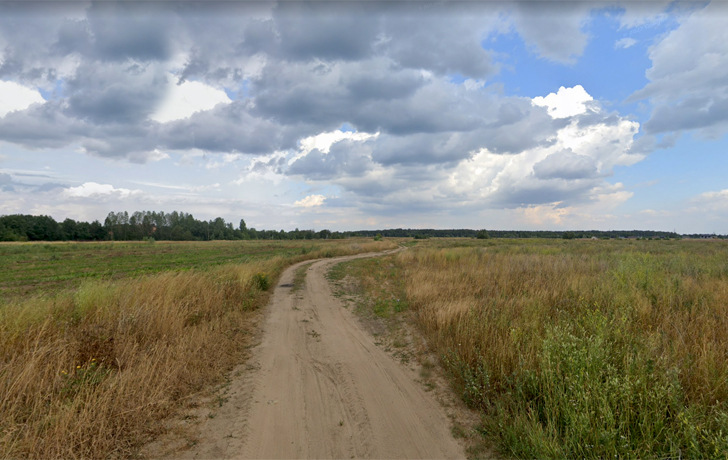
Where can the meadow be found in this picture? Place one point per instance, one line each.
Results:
(100, 342)
(573, 349)
(50, 267)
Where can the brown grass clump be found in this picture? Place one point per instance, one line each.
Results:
(90, 372)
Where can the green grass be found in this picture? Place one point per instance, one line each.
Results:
(30, 268)
(299, 277)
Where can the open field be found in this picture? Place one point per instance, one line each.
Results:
(88, 367)
(29, 268)
(573, 348)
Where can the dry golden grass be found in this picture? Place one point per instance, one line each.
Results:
(90, 372)
(582, 348)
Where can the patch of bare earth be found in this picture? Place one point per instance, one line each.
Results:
(317, 385)
(399, 337)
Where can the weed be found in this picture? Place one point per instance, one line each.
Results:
(575, 348)
(299, 277)
(261, 281)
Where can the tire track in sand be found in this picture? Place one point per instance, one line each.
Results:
(318, 387)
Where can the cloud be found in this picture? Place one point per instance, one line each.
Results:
(624, 43)
(17, 97)
(323, 141)
(311, 201)
(185, 98)
(637, 14)
(566, 165)
(298, 70)
(257, 93)
(553, 29)
(93, 189)
(6, 182)
(445, 172)
(565, 103)
(122, 30)
(713, 201)
(688, 82)
(125, 92)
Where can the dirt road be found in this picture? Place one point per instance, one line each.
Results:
(318, 387)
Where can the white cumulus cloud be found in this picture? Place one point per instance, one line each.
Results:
(565, 103)
(310, 201)
(182, 100)
(14, 96)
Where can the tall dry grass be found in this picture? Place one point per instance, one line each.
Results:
(583, 348)
(91, 372)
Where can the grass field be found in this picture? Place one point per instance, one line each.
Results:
(574, 349)
(30, 268)
(101, 342)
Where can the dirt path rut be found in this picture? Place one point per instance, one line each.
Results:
(318, 387)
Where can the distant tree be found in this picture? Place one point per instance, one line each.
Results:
(44, 228)
(482, 235)
(69, 228)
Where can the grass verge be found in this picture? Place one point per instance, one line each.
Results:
(90, 371)
(580, 348)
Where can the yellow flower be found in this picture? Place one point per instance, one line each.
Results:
(78, 367)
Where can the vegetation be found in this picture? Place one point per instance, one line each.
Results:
(574, 348)
(28, 268)
(90, 368)
(180, 226)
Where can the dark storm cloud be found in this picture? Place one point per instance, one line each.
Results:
(74, 36)
(126, 92)
(542, 192)
(445, 40)
(327, 30)
(225, 128)
(130, 30)
(345, 158)
(41, 126)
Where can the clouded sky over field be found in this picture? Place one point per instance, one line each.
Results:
(534, 115)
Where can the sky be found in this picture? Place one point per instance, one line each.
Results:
(536, 115)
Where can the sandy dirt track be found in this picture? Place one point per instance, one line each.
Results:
(318, 387)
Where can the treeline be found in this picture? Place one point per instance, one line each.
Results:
(180, 226)
(141, 225)
(469, 233)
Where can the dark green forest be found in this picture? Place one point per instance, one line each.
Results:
(180, 226)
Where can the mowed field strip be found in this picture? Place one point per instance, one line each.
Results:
(320, 388)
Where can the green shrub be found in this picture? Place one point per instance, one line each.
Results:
(261, 281)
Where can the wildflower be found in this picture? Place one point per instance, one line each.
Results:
(78, 367)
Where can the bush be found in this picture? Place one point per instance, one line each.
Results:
(482, 235)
